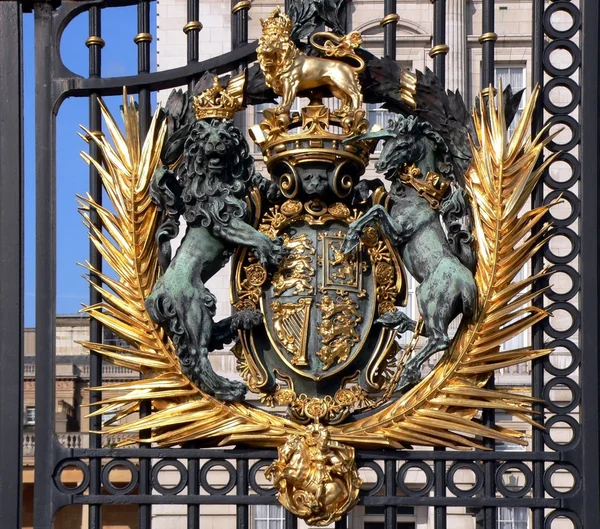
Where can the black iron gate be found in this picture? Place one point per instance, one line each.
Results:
(577, 508)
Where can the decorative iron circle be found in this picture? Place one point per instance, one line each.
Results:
(571, 86)
(566, 45)
(571, 199)
(125, 489)
(569, 123)
(575, 317)
(554, 33)
(77, 489)
(420, 465)
(575, 428)
(562, 513)
(477, 472)
(259, 489)
(551, 489)
(575, 357)
(575, 392)
(572, 162)
(573, 275)
(217, 491)
(175, 489)
(553, 469)
(511, 492)
(374, 490)
(572, 237)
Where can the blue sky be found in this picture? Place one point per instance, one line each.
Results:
(119, 57)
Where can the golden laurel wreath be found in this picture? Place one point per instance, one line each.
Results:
(442, 410)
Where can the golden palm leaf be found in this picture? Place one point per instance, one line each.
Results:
(441, 410)
(181, 412)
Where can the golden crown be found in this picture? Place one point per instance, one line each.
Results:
(219, 102)
(277, 23)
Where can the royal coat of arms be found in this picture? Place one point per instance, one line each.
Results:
(320, 259)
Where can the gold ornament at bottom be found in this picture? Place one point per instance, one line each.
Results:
(316, 477)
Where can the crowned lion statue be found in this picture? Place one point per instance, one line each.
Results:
(289, 72)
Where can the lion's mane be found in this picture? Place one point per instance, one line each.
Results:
(287, 53)
(210, 198)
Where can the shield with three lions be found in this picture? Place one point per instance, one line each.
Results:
(319, 351)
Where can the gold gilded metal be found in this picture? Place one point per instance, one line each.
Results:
(315, 141)
(440, 49)
(290, 321)
(392, 18)
(191, 26)
(433, 187)
(288, 71)
(340, 271)
(142, 37)
(250, 288)
(486, 37)
(242, 4)
(295, 272)
(95, 41)
(316, 477)
(339, 319)
(219, 102)
(408, 88)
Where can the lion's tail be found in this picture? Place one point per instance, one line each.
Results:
(340, 47)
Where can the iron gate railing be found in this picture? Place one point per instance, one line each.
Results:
(55, 82)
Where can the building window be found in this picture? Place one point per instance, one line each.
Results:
(515, 77)
(30, 415)
(269, 517)
(108, 416)
(513, 518)
(378, 115)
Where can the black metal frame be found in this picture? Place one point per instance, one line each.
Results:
(54, 83)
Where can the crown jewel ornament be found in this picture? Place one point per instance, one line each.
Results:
(218, 102)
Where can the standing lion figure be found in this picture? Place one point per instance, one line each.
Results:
(289, 72)
(208, 190)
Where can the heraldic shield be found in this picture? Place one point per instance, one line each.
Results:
(321, 256)
(319, 341)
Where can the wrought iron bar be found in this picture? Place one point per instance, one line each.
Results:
(291, 521)
(440, 48)
(537, 374)
(487, 41)
(143, 12)
(45, 289)
(389, 22)
(193, 487)
(95, 44)
(242, 511)
(192, 30)
(440, 491)
(11, 263)
(390, 512)
(588, 228)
